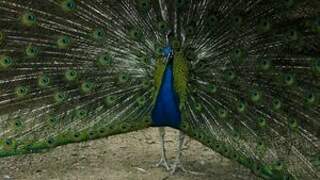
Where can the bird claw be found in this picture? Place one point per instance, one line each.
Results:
(175, 167)
(163, 162)
(178, 166)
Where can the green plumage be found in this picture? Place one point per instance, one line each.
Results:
(180, 76)
(160, 67)
(246, 74)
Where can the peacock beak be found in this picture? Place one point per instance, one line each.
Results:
(168, 54)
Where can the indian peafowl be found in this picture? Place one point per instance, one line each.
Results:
(240, 76)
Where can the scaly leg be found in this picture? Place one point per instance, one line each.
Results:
(163, 161)
(177, 164)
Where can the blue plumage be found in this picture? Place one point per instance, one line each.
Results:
(166, 111)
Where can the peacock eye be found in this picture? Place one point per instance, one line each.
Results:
(190, 30)
(68, 5)
(31, 18)
(289, 3)
(50, 141)
(198, 107)
(136, 34)
(163, 26)
(87, 87)
(8, 142)
(7, 61)
(265, 24)
(71, 75)
(241, 105)
(179, 2)
(43, 81)
(212, 19)
(31, 51)
(123, 78)
(98, 34)
(64, 42)
(289, 78)
(109, 100)
(146, 83)
(101, 131)
(212, 88)
(264, 63)
(59, 97)
(52, 120)
(293, 35)
(28, 19)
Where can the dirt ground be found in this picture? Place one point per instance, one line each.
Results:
(123, 157)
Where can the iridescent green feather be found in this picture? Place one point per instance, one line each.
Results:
(160, 67)
(180, 76)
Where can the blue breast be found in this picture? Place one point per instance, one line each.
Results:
(166, 111)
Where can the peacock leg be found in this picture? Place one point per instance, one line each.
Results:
(177, 163)
(163, 161)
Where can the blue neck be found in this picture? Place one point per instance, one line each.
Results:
(166, 111)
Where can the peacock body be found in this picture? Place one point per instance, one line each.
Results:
(241, 77)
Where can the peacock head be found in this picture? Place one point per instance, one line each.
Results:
(167, 51)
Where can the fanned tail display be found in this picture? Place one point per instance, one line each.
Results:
(245, 75)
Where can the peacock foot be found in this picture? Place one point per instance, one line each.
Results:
(177, 165)
(163, 163)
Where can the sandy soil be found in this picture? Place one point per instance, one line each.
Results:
(123, 157)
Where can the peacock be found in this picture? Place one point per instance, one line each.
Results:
(240, 76)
